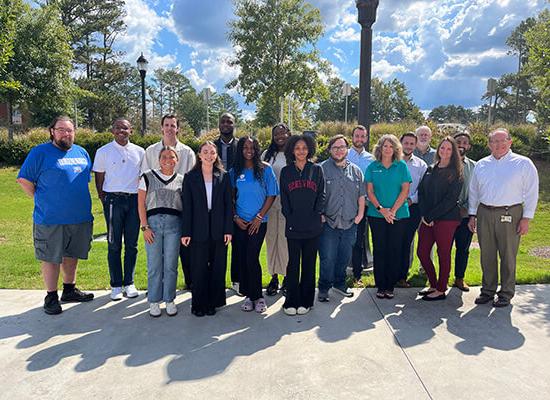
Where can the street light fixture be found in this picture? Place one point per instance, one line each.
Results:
(366, 17)
(142, 67)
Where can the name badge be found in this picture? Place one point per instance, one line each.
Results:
(506, 219)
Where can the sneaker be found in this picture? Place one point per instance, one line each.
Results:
(52, 305)
(273, 287)
(289, 311)
(116, 293)
(171, 309)
(131, 291)
(235, 287)
(344, 291)
(248, 305)
(501, 302)
(323, 297)
(154, 310)
(302, 310)
(76, 296)
(260, 306)
(483, 299)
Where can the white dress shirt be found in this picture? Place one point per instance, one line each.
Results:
(417, 168)
(510, 180)
(186, 158)
(121, 165)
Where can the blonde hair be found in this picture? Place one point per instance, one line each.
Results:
(396, 144)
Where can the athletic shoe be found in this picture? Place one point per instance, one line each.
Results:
(260, 305)
(344, 291)
(171, 309)
(131, 291)
(302, 310)
(290, 311)
(235, 287)
(323, 297)
(52, 305)
(154, 310)
(76, 296)
(273, 287)
(116, 293)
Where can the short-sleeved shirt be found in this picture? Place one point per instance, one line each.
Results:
(343, 187)
(387, 183)
(121, 165)
(61, 179)
(251, 193)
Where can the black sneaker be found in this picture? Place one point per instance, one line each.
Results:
(76, 296)
(51, 305)
(272, 288)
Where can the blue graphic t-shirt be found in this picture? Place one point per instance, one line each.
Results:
(251, 193)
(61, 178)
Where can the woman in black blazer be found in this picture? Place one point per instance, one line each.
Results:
(207, 228)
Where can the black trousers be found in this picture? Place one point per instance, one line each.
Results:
(387, 243)
(463, 239)
(248, 257)
(208, 266)
(358, 255)
(411, 226)
(185, 258)
(235, 275)
(300, 282)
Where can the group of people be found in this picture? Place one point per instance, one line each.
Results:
(191, 207)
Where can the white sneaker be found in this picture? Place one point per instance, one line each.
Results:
(116, 293)
(171, 309)
(235, 287)
(154, 310)
(302, 310)
(289, 311)
(131, 291)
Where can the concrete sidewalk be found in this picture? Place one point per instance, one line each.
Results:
(354, 348)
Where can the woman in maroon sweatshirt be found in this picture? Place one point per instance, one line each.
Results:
(302, 200)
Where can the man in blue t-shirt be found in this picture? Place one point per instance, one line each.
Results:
(56, 176)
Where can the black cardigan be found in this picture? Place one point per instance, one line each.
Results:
(195, 207)
(438, 195)
(302, 200)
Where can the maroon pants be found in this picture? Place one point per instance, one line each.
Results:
(441, 233)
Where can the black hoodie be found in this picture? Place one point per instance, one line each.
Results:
(302, 200)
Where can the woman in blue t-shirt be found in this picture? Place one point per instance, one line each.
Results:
(255, 188)
(388, 180)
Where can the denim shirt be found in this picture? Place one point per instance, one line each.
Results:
(343, 187)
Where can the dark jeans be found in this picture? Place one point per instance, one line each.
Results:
(334, 253)
(358, 255)
(463, 239)
(208, 266)
(248, 255)
(185, 258)
(387, 246)
(411, 226)
(300, 282)
(122, 219)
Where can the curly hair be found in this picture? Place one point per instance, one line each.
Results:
(291, 143)
(239, 163)
(396, 144)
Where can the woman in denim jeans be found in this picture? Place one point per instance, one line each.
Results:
(160, 208)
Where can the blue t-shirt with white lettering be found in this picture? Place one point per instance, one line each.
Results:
(251, 193)
(61, 178)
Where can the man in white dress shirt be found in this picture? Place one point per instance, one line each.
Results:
(503, 197)
(186, 160)
(117, 170)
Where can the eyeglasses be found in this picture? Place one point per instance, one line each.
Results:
(63, 130)
(339, 148)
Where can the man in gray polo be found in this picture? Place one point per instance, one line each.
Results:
(344, 209)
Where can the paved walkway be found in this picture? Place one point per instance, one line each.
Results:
(354, 348)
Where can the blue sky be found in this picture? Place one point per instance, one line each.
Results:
(443, 50)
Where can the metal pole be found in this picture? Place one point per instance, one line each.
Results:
(289, 113)
(364, 114)
(346, 115)
(143, 116)
(490, 109)
(207, 116)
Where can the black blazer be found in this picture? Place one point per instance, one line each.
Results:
(195, 207)
(230, 151)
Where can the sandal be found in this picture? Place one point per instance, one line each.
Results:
(389, 294)
(260, 305)
(248, 305)
(426, 291)
(380, 294)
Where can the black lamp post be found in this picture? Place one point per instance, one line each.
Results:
(142, 67)
(366, 17)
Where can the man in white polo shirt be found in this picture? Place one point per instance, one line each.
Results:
(503, 197)
(117, 167)
(186, 160)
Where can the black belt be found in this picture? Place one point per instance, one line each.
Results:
(500, 207)
(121, 194)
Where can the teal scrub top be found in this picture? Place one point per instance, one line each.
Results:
(387, 184)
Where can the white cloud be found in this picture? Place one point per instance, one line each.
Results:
(346, 35)
(195, 79)
(383, 69)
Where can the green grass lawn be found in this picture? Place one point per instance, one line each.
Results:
(19, 269)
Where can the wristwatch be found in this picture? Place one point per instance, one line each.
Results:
(144, 228)
(379, 208)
